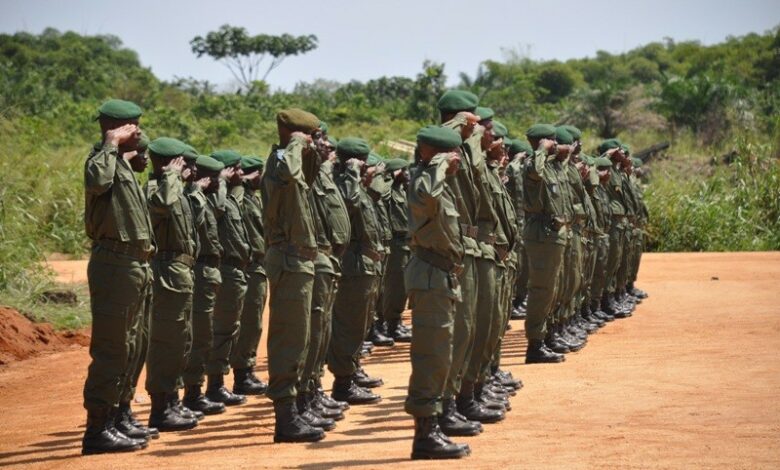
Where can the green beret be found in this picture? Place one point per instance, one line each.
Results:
(298, 120)
(636, 162)
(439, 137)
(562, 136)
(119, 109)
(352, 147)
(250, 164)
(518, 146)
(143, 142)
(540, 131)
(626, 148)
(499, 130)
(374, 159)
(333, 141)
(227, 157)
(609, 144)
(324, 127)
(484, 113)
(587, 159)
(207, 163)
(601, 162)
(167, 147)
(575, 132)
(454, 101)
(190, 153)
(394, 164)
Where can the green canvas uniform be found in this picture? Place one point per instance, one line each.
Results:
(489, 277)
(244, 354)
(579, 240)
(230, 298)
(393, 288)
(514, 186)
(207, 280)
(464, 186)
(505, 251)
(120, 280)
(380, 191)
(601, 205)
(361, 268)
(621, 277)
(591, 232)
(642, 216)
(289, 261)
(437, 250)
(546, 235)
(617, 228)
(170, 338)
(333, 233)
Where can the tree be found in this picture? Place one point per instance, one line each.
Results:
(429, 85)
(242, 53)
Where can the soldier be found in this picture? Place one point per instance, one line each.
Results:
(639, 234)
(431, 277)
(601, 205)
(120, 279)
(170, 329)
(230, 298)
(462, 413)
(393, 288)
(290, 171)
(518, 151)
(545, 237)
(244, 354)
(361, 268)
(333, 234)
(207, 280)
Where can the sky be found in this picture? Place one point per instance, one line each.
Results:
(365, 39)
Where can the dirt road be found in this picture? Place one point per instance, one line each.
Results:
(691, 380)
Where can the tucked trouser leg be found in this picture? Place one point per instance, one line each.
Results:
(545, 260)
(320, 323)
(614, 255)
(171, 329)
(599, 279)
(510, 281)
(351, 317)
(393, 288)
(244, 354)
(207, 283)
(431, 351)
(118, 293)
(497, 322)
(289, 326)
(226, 321)
(463, 327)
(487, 280)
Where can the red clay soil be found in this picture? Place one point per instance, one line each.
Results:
(692, 380)
(21, 339)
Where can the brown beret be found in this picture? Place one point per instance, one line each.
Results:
(298, 120)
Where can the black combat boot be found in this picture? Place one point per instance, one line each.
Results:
(538, 353)
(362, 379)
(183, 410)
(290, 427)
(429, 443)
(506, 379)
(451, 424)
(123, 422)
(396, 330)
(309, 416)
(638, 293)
(102, 437)
(196, 401)
(216, 391)
(244, 385)
(378, 338)
(489, 399)
(165, 416)
(472, 409)
(329, 402)
(554, 343)
(317, 406)
(571, 341)
(344, 389)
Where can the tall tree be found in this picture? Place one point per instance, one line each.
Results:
(243, 54)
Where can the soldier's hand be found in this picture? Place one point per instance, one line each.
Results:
(548, 145)
(203, 183)
(227, 173)
(186, 173)
(356, 161)
(380, 168)
(453, 163)
(236, 178)
(121, 134)
(255, 175)
(300, 135)
(177, 164)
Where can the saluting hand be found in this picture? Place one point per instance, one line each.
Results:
(453, 161)
(177, 165)
(121, 134)
(203, 183)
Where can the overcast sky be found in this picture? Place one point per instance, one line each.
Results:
(364, 39)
